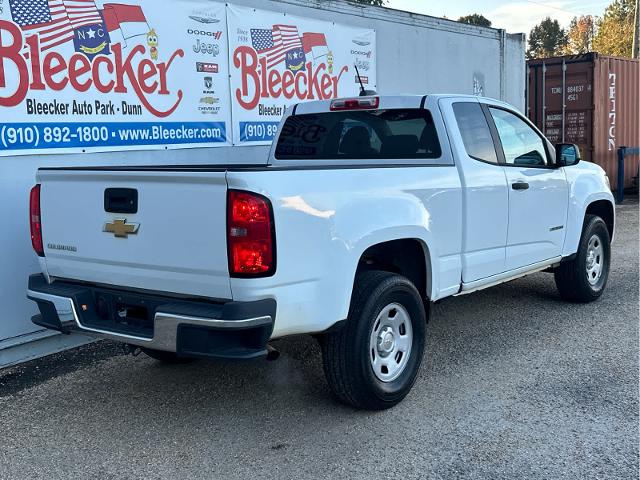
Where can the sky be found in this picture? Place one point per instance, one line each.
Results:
(517, 16)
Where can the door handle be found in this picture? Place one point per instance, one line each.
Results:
(121, 200)
(520, 186)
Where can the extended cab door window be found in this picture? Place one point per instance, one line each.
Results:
(475, 132)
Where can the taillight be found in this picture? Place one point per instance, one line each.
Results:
(250, 235)
(35, 221)
(360, 103)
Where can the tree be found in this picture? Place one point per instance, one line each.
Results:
(580, 35)
(476, 19)
(615, 29)
(547, 39)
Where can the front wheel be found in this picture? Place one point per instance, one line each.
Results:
(373, 361)
(584, 278)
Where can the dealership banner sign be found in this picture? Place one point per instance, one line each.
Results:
(91, 75)
(278, 60)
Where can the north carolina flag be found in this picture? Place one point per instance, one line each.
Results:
(126, 21)
(316, 44)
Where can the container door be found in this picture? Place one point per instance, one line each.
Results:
(561, 101)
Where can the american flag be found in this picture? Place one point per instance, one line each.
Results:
(47, 18)
(82, 12)
(275, 43)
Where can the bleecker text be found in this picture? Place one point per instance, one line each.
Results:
(257, 81)
(51, 71)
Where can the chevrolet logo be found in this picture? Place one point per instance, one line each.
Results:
(121, 229)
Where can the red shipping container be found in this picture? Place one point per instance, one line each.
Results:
(591, 100)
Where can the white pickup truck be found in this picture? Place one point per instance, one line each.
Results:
(366, 211)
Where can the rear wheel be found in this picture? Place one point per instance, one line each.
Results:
(373, 361)
(166, 357)
(584, 278)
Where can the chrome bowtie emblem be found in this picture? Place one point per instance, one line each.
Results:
(121, 229)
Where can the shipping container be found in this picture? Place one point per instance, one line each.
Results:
(591, 100)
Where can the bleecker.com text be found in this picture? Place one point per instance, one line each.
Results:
(105, 74)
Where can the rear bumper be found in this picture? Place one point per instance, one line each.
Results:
(233, 330)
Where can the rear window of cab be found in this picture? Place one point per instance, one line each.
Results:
(359, 134)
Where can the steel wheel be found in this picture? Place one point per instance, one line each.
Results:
(595, 259)
(390, 342)
(584, 277)
(373, 360)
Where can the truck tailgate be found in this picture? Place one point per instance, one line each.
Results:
(176, 242)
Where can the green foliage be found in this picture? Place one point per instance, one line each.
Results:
(580, 35)
(476, 19)
(615, 29)
(547, 39)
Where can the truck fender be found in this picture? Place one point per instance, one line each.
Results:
(394, 234)
(578, 206)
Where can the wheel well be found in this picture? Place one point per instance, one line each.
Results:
(405, 257)
(604, 210)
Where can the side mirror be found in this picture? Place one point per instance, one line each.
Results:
(567, 154)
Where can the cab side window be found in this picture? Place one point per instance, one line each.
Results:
(521, 144)
(475, 132)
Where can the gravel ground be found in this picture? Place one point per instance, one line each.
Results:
(515, 384)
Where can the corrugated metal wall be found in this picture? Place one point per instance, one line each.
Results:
(617, 106)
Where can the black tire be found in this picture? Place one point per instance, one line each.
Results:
(166, 357)
(572, 278)
(347, 352)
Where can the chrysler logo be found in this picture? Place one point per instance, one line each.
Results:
(121, 229)
(201, 19)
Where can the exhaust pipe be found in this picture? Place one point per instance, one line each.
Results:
(272, 354)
